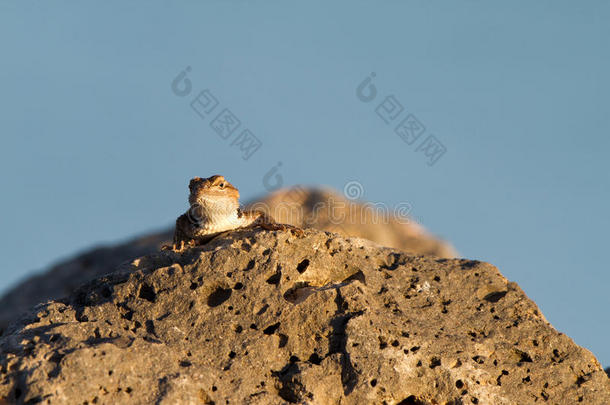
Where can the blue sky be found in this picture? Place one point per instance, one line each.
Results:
(98, 148)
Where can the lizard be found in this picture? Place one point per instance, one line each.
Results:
(214, 209)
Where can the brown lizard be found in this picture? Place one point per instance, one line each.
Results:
(215, 209)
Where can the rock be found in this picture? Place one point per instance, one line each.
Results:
(64, 277)
(327, 210)
(260, 317)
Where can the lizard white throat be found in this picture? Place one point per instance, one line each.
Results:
(217, 214)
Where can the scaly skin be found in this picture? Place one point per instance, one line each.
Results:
(215, 209)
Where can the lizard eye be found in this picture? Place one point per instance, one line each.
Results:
(221, 185)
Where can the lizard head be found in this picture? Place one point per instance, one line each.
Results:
(213, 190)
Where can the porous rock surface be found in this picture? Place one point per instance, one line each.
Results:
(300, 206)
(64, 277)
(260, 317)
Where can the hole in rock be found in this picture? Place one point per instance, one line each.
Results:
(298, 294)
(283, 340)
(315, 359)
(270, 330)
(147, 293)
(301, 267)
(218, 297)
(275, 278)
(358, 276)
(495, 296)
(262, 310)
(523, 356)
(411, 400)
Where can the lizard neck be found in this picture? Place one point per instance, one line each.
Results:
(219, 215)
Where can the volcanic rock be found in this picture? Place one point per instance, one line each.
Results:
(267, 317)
